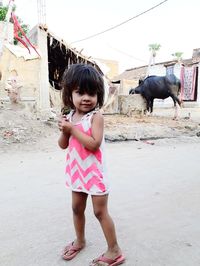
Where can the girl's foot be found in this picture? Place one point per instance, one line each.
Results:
(104, 261)
(108, 259)
(71, 250)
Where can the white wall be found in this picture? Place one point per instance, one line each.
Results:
(198, 88)
(7, 29)
(44, 98)
(158, 70)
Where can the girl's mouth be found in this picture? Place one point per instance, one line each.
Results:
(85, 105)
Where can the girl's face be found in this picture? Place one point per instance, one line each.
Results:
(84, 102)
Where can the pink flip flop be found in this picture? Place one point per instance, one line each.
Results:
(72, 250)
(111, 262)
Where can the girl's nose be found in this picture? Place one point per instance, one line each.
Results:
(86, 97)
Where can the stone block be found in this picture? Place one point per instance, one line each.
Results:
(131, 104)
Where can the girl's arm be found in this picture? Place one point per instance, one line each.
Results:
(63, 140)
(93, 142)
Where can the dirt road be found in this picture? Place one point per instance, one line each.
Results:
(154, 202)
(20, 127)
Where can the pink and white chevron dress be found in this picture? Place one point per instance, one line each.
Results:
(85, 170)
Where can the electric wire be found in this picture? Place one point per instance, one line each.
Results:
(120, 24)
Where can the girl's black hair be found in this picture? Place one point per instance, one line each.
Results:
(86, 79)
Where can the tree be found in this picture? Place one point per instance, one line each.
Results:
(3, 12)
(177, 56)
(153, 48)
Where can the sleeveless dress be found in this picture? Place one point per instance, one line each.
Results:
(85, 170)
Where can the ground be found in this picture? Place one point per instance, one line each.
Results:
(17, 127)
(154, 197)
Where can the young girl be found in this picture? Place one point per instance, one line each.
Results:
(82, 133)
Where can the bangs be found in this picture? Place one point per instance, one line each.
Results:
(84, 78)
(87, 82)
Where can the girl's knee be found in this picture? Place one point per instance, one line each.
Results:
(100, 214)
(100, 206)
(77, 210)
(78, 203)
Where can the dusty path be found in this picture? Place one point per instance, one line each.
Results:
(154, 202)
(21, 128)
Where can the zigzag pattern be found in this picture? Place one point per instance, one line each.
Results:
(82, 152)
(84, 172)
(84, 169)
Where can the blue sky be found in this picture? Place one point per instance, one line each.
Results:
(173, 25)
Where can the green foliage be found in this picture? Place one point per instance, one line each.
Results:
(177, 55)
(3, 12)
(25, 28)
(154, 47)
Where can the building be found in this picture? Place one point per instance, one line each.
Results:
(38, 75)
(187, 70)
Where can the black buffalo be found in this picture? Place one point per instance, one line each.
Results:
(159, 87)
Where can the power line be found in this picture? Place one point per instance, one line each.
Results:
(120, 24)
(126, 54)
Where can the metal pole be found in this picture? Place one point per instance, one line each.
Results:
(41, 6)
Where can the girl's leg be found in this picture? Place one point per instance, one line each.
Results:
(79, 200)
(78, 207)
(101, 212)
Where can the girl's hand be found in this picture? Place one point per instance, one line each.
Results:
(64, 125)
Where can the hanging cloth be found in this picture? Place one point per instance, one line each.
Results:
(17, 29)
(188, 82)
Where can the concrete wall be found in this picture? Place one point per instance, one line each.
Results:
(112, 65)
(55, 98)
(159, 70)
(31, 74)
(7, 27)
(131, 104)
(27, 75)
(126, 85)
(44, 98)
(198, 89)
